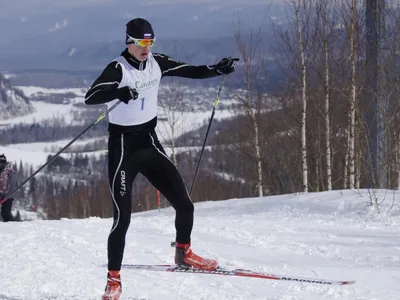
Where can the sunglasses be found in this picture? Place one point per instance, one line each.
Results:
(141, 42)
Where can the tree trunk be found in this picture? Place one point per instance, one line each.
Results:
(352, 98)
(304, 101)
(346, 161)
(328, 157)
(258, 156)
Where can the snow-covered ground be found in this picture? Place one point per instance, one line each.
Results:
(330, 235)
(36, 158)
(47, 146)
(43, 111)
(31, 91)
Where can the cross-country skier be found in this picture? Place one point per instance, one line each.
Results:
(133, 147)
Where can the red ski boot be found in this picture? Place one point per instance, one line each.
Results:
(113, 288)
(184, 257)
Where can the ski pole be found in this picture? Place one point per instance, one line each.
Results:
(101, 117)
(208, 129)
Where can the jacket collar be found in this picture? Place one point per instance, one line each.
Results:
(139, 65)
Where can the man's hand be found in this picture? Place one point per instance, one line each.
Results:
(226, 65)
(127, 94)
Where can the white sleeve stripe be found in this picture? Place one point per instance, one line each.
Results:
(104, 83)
(93, 89)
(176, 68)
(92, 94)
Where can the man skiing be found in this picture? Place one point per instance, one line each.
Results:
(6, 174)
(133, 146)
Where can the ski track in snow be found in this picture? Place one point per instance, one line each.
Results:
(317, 235)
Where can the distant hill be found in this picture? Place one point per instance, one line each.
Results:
(13, 102)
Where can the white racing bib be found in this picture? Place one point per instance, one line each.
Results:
(146, 82)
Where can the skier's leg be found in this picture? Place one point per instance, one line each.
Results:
(121, 177)
(6, 210)
(164, 176)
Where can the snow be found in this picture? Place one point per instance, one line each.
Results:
(72, 51)
(328, 235)
(44, 111)
(30, 91)
(38, 158)
(8, 76)
(59, 25)
(26, 156)
(48, 146)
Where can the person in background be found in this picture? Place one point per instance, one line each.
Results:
(6, 176)
(134, 78)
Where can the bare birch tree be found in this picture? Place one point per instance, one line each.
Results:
(389, 89)
(323, 7)
(353, 58)
(250, 51)
(173, 106)
(297, 5)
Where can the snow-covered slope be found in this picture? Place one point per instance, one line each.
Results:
(329, 235)
(13, 102)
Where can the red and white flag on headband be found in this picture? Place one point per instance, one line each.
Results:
(147, 35)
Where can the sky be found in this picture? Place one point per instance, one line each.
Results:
(328, 235)
(56, 5)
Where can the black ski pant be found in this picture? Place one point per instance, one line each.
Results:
(129, 154)
(6, 210)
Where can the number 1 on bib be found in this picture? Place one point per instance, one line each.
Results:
(142, 107)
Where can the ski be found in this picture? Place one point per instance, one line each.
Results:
(236, 272)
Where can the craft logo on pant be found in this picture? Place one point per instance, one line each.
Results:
(123, 184)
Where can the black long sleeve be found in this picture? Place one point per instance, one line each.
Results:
(105, 88)
(171, 67)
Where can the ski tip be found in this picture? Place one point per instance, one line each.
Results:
(348, 282)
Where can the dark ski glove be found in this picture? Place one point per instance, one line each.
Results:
(226, 65)
(127, 94)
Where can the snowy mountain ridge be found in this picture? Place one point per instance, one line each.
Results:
(13, 102)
